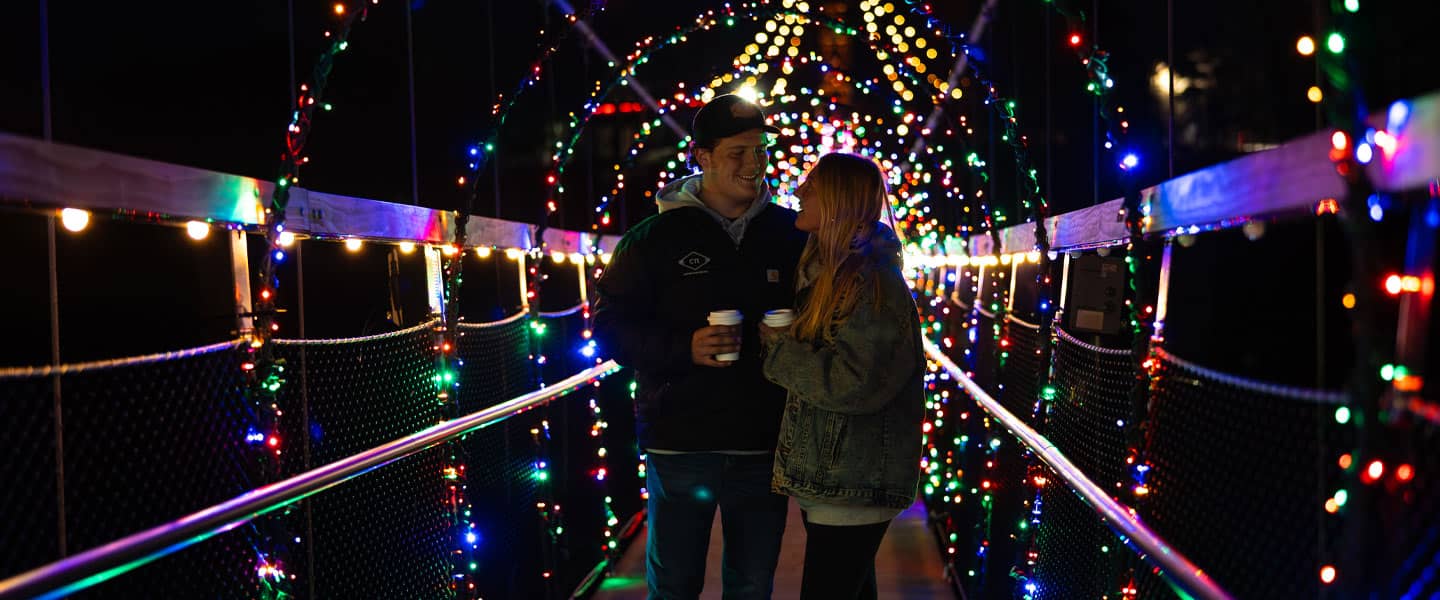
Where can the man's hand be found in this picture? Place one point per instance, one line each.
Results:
(712, 340)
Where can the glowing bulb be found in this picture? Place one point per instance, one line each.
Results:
(577, 258)
(406, 247)
(1327, 574)
(1305, 45)
(1314, 94)
(449, 249)
(286, 239)
(197, 230)
(339, 8)
(1375, 470)
(748, 93)
(558, 257)
(353, 244)
(1074, 39)
(1364, 153)
(483, 252)
(513, 253)
(1394, 285)
(1348, 300)
(1336, 43)
(1130, 161)
(75, 219)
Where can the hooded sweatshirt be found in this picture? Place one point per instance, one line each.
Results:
(667, 274)
(686, 192)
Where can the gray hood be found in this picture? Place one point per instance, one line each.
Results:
(686, 192)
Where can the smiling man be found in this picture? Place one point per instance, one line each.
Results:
(708, 426)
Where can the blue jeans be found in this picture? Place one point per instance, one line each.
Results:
(684, 491)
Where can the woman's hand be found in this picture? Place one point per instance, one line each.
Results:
(769, 335)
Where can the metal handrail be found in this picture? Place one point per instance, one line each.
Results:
(1187, 579)
(88, 568)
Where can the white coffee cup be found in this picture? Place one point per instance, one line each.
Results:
(726, 317)
(778, 318)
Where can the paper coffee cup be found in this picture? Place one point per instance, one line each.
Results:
(726, 317)
(779, 318)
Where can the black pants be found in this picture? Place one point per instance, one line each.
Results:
(840, 561)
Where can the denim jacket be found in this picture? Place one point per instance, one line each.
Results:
(855, 405)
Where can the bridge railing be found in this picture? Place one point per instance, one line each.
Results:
(368, 507)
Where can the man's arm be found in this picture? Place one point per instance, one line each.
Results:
(626, 325)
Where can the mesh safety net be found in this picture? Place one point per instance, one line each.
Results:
(1239, 479)
(500, 479)
(144, 443)
(1021, 369)
(1086, 420)
(384, 533)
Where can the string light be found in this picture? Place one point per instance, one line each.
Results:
(197, 230)
(75, 219)
(1305, 45)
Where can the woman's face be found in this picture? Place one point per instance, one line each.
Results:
(809, 219)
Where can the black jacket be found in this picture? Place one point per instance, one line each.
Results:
(665, 277)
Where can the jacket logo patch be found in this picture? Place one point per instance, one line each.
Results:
(772, 275)
(694, 261)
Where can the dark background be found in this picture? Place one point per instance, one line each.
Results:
(209, 86)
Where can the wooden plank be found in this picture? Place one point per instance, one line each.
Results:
(485, 231)
(34, 172)
(1102, 223)
(559, 240)
(59, 175)
(318, 213)
(1415, 159)
(1295, 176)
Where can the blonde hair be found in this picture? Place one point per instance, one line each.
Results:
(849, 193)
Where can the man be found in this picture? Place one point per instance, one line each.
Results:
(708, 427)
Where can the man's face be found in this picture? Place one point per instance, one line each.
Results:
(734, 168)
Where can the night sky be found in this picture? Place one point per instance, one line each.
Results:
(208, 85)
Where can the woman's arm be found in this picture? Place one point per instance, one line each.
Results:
(870, 360)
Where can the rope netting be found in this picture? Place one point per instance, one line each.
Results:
(146, 441)
(496, 365)
(152, 438)
(384, 533)
(1087, 416)
(1247, 479)
(1240, 477)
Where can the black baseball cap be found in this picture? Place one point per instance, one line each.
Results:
(725, 116)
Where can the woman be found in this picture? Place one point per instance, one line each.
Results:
(852, 362)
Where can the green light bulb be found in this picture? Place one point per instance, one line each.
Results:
(1336, 43)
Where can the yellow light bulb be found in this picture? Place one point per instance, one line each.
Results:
(75, 219)
(353, 244)
(1305, 45)
(197, 230)
(407, 247)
